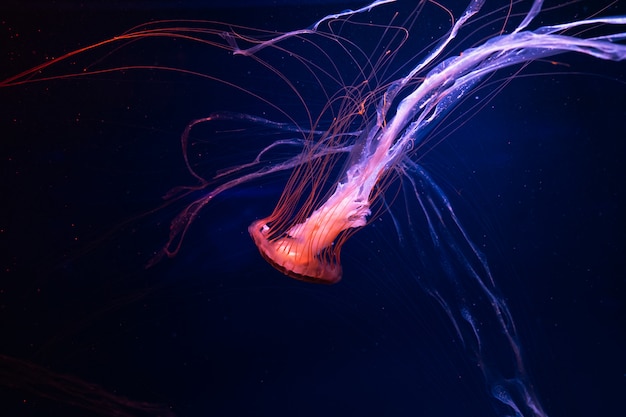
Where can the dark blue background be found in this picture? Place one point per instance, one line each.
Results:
(537, 177)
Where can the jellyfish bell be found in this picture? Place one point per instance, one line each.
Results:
(306, 250)
(296, 255)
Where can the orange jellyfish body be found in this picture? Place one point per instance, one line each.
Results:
(309, 251)
(295, 257)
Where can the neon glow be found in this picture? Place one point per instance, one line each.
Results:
(379, 120)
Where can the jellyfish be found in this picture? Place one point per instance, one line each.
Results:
(307, 245)
(342, 172)
(303, 240)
